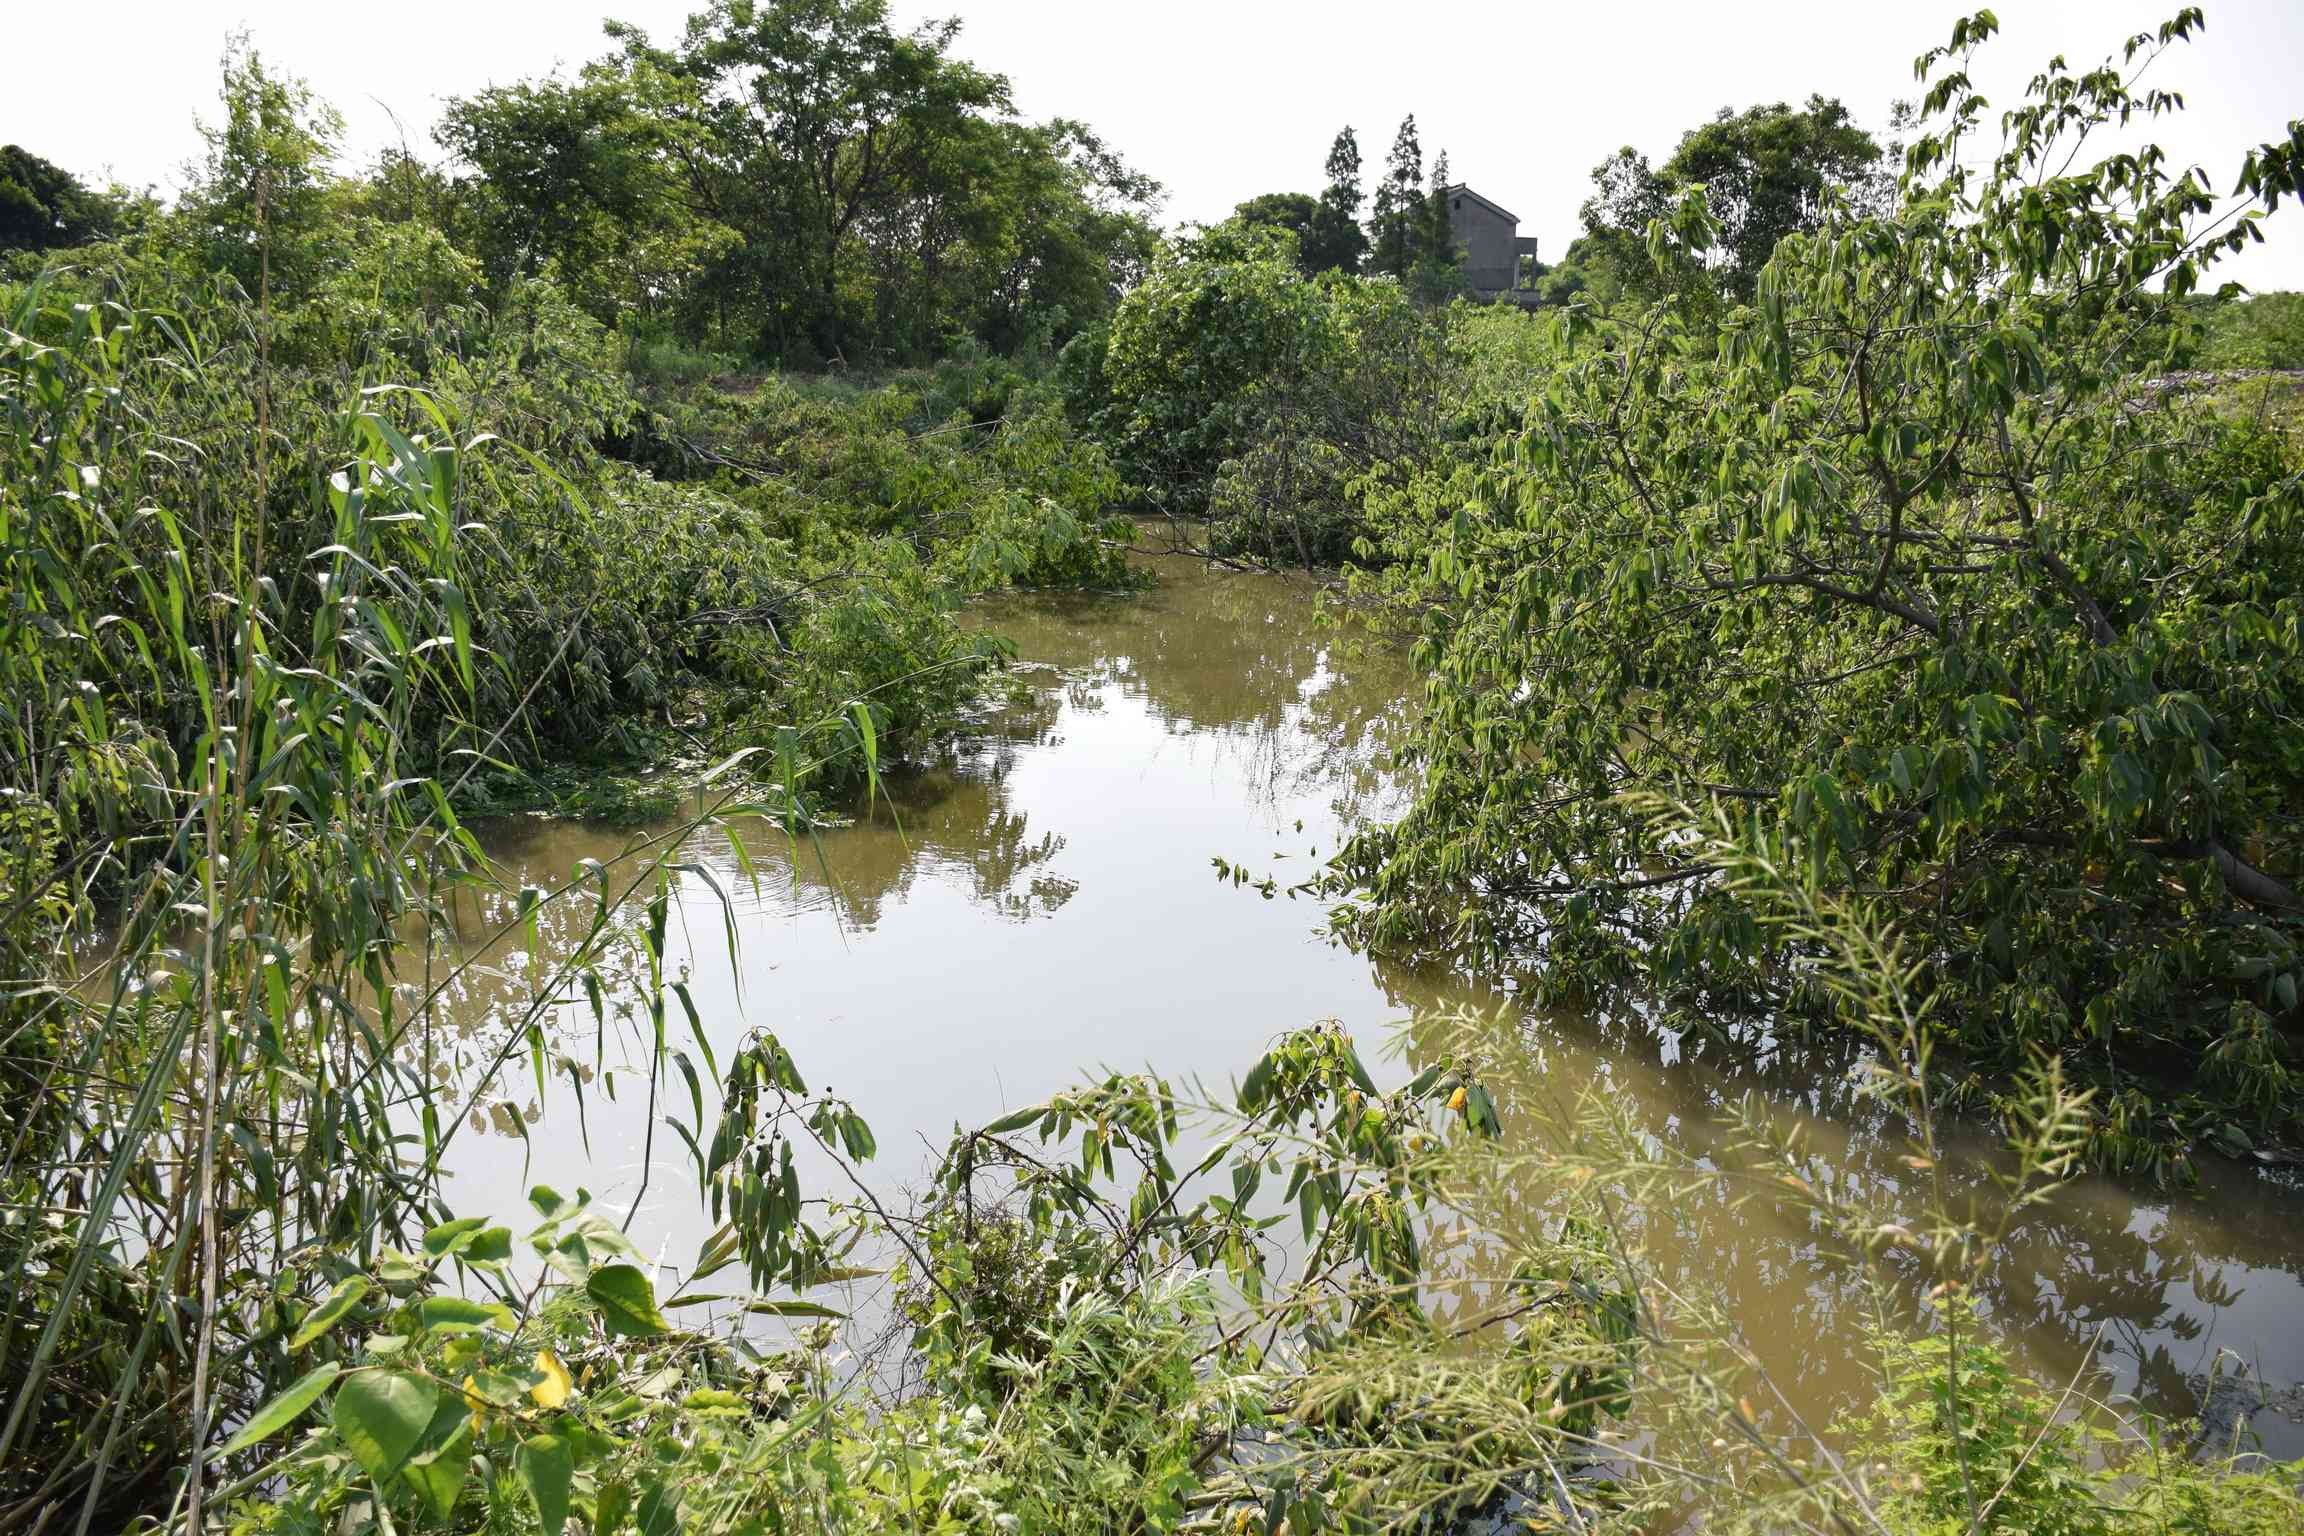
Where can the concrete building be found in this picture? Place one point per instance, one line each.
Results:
(1499, 262)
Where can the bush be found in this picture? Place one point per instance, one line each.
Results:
(2264, 330)
(1963, 1441)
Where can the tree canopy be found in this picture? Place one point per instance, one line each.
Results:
(1766, 171)
(803, 180)
(44, 207)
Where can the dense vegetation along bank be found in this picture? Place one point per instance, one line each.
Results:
(1823, 629)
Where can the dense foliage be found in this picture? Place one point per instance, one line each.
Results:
(1763, 173)
(802, 181)
(1897, 551)
(315, 539)
(2261, 331)
(44, 207)
(1233, 387)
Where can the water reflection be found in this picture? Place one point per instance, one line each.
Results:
(2141, 1287)
(1039, 903)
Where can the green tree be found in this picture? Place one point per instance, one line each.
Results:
(813, 118)
(44, 207)
(1395, 235)
(1438, 274)
(1611, 258)
(1079, 234)
(578, 179)
(2263, 330)
(1009, 234)
(1766, 172)
(1293, 213)
(1436, 234)
(1193, 351)
(259, 199)
(1335, 242)
(1890, 560)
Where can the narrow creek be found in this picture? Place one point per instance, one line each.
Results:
(1042, 904)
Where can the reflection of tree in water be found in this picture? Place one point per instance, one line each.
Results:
(1235, 660)
(498, 974)
(952, 820)
(2149, 1267)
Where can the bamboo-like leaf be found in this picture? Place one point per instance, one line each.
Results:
(283, 1410)
(329, 1313)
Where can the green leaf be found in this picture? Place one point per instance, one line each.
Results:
(1015, 1120)
(439, 1474)
(1483, 1112)
(626, 1300)
(505, 1389)
(545, 1468)
(380, 1415)
(331, 1312)
(449, 1236)
(396, 1268)
(455, 1314)
(614, 1503)
(283, 1410)
(658, 1512)
(791, 1309)
(490, 1246)
(1259, 1079)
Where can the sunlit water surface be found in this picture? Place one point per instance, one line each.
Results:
(1043, 903)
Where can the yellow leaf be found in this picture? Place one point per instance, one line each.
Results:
(1456, 1101)
(552, 1391)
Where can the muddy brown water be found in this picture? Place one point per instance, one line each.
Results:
(1041, 904)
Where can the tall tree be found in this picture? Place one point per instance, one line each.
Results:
(1295, 212)
(1899, 586)
(1437, 272)
(1335, 242)
(1400, 203)
(798, 179)
(1436, 236)
(259, 198)
(580, 179)
(817, 117)
(1767, 172)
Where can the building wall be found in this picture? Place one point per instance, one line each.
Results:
(1487, 241)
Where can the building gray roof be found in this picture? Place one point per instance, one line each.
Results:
(1489, 203)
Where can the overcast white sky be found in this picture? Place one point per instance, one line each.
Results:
(1220, 99)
